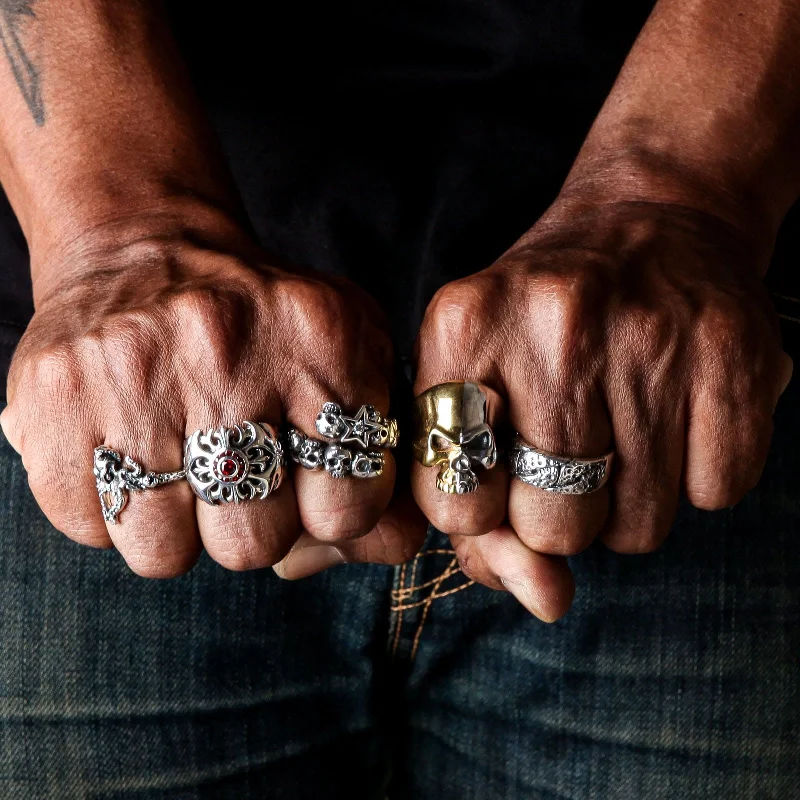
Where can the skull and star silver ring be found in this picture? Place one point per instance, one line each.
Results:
(222, 465)
(350, 443)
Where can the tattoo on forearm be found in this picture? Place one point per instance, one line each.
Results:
(12, 14)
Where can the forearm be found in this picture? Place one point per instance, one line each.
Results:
(97, 120)
(708, 101)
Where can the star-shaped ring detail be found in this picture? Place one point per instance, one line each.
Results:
(366, 428)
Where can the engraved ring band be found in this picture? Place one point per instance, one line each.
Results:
(558, 474)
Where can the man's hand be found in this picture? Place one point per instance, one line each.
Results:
(637, 326)
(153, 331)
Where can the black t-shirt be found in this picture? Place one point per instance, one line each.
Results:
(402, 144)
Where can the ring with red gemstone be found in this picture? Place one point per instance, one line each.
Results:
(232, 464)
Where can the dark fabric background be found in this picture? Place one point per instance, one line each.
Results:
(403, 144)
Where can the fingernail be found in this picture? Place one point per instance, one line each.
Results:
(304, 561)
(525, 592)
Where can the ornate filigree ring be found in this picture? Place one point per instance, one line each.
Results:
(228, 465)
(222, 465)
(337, 460)
(557, 473)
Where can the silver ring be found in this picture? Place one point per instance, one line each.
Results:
(338, 461)
(366, 428)
(557, 474)
(229, 465)
(115, 476)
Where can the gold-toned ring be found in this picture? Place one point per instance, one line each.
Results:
(451, 432)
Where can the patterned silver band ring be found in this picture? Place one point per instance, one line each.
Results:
(222, 465)
(558, 474)
(338, 461)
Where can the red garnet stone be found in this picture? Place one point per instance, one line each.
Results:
(229, 466)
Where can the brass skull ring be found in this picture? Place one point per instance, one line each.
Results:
(451, 433)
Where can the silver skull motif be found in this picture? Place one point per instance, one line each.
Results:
(368, 465)
(338, 460)
(329, 421)
(304, 450)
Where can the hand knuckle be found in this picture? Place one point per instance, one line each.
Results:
(57, 375)
(158, 556)
(456, 311)
(159, 568)
(240, 546)
(338, 525)
(722, 492)
(637, 541)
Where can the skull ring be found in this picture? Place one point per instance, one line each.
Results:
(338, 461)
(366, 428)
(451, 433)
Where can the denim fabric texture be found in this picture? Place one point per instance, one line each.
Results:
(676, 674)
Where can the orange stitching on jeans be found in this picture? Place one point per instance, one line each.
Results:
(413, 581)
(429, 603)
(399, 616)
(407, 606)
(400, 600)
(399, 594)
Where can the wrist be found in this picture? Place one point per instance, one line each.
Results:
(636, 172)
(129, 244)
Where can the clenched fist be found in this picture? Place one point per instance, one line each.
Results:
(632, 326)
(154, 330)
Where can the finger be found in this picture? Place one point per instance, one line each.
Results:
(468, 514)
(649, 424)
(156, 532)
(56, 443)
(567, 419)
(785, 371)
(332, 509)
(500, 560)
(9, 427)
(397, 537)
(727, 444)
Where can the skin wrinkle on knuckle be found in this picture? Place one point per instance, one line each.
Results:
(156, 552)
(450, 518)
(558, 543)
(640, 528)
(146, 566)
(340, 524)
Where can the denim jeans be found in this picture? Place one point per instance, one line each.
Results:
(675, 675)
